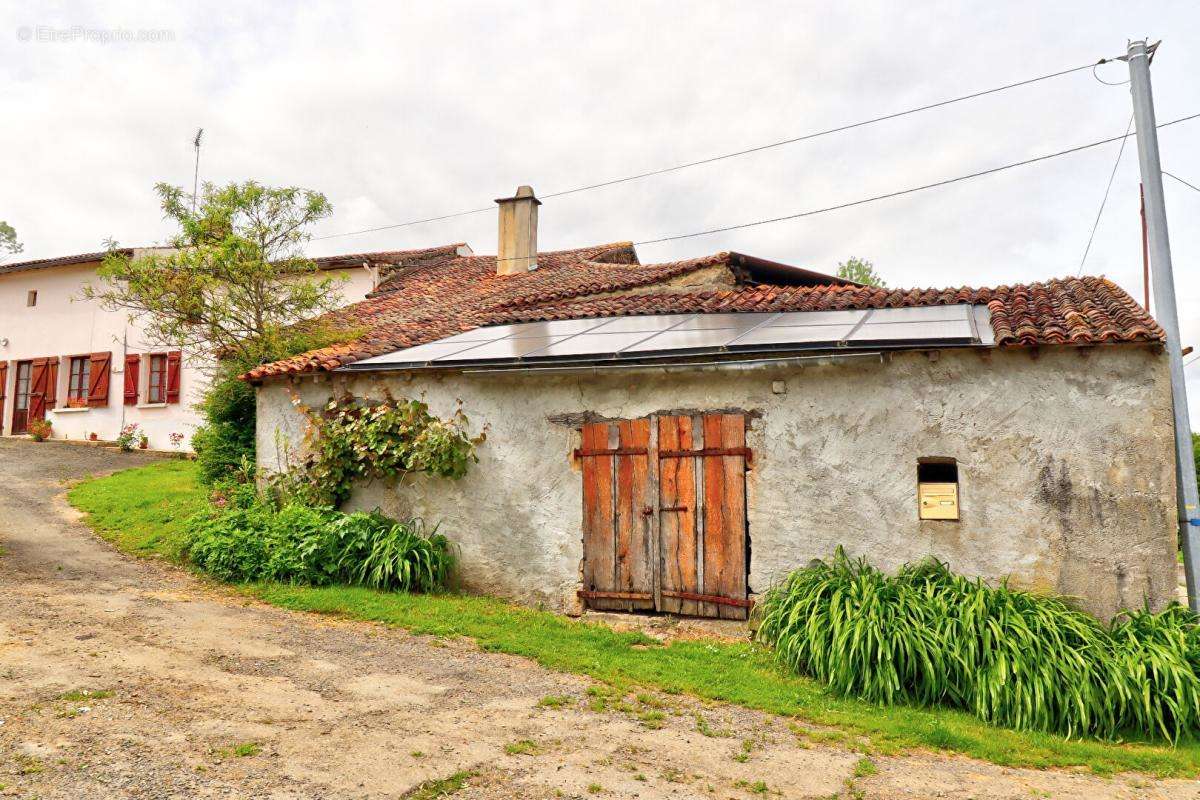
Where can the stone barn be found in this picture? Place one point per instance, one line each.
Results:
(674, 437)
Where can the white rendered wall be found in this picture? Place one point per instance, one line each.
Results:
(63, 324)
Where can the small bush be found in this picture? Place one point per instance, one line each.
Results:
(248, 538)
(226, 439)
(927, 636)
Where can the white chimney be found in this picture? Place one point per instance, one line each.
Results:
(517, 251)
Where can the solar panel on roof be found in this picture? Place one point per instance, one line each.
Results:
(705, 322)
(932, 330)
(677, 339)
(805, 318)
(660, 335)
(511, 347)
(796, 334)
(594, 344)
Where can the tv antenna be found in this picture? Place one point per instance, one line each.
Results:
(196, 175)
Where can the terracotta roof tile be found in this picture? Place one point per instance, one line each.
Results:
(430, 301)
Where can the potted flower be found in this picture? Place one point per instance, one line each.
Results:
(39, 429)
(143, 441)
(176, 439)
(77, 402)
(129, 434)
(93, 437)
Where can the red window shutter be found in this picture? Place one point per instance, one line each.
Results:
(37, 388)
(51, 383)
(131, 378)
(98, 379)
(3, 386)
(173, 369)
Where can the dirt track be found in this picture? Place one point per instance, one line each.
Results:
(346, 710)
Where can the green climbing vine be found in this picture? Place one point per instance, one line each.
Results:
(351, 439)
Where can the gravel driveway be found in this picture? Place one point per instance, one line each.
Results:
(178, 688)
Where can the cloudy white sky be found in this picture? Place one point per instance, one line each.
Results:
(402, 110)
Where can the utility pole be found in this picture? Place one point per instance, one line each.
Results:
(1138, 56)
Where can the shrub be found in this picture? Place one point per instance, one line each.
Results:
(232, 544)
(927, 636)
(226, 439)
(246, 537)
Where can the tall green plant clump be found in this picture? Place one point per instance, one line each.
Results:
(929, 637)
(252, 539)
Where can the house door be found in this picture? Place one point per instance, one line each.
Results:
(20, 423)
(664, 515)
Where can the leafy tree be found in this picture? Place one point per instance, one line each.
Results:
(236, 281)
(8, 241)
(232, 291)
(861, 271)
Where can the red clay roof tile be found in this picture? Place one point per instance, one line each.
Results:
(447, 296)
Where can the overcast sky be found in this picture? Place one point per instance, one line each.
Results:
(402, 111)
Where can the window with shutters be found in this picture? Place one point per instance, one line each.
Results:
(78, 380)
(156, 387)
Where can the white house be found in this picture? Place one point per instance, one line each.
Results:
(90, 372)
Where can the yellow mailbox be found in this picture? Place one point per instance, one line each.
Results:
(938, 500)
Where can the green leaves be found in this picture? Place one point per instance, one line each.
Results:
(250, 539)
(929, 637)
(352, 439)
(9, 244)
(237, 279)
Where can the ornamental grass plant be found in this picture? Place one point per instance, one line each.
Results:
(927, 636)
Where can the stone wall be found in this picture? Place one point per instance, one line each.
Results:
(1066, 465)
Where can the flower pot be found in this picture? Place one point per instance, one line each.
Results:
(93, 437)
(144, 445)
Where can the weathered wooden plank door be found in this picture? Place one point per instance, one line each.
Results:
(617, 515)
(703, 515)
(664, 515)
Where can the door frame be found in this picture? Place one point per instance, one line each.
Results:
(612, 449)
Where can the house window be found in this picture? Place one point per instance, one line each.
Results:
(31, 298)
(156, 391)
(77, 381)
(937, 488)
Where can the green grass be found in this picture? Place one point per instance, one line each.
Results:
(77, 695)
(153, 498)
(439, 787)
(142, 510)
(523, 747)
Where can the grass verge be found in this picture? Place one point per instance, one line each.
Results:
(142, 511)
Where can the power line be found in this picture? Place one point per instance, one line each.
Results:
(736, 153)
(910, 190)
(1104, 201)
(1181, 180)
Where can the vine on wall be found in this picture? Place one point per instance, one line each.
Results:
(352, 438)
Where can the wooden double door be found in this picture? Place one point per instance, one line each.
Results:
(664, 515)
